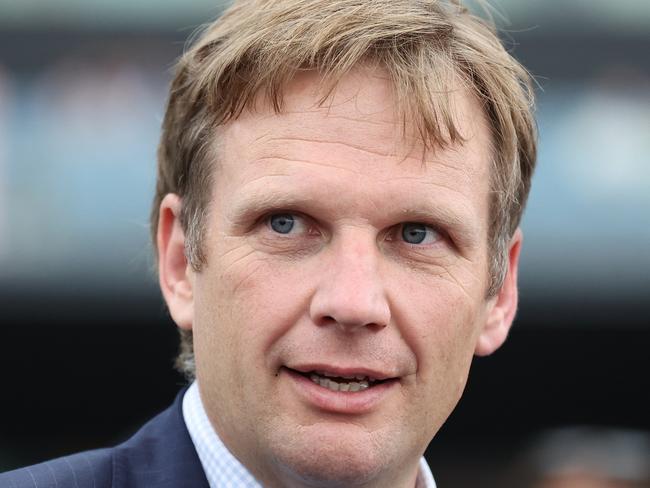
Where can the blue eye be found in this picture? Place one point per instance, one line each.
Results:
(282, 223)
(415, 233)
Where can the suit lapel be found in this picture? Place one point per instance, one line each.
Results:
(161, 454)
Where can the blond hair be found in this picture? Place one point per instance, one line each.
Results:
(257, 46)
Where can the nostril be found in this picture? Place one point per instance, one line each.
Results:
(327, 320)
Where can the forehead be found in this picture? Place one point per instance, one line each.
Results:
(355, 142)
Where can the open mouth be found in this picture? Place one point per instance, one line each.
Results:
(351, 383)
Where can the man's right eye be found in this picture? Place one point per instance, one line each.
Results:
(282, 223)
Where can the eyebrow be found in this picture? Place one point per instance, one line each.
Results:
(253, 204)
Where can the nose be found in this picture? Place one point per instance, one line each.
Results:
(351, 293)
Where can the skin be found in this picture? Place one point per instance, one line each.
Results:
(343, 289)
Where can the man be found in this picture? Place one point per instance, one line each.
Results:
(336, 223)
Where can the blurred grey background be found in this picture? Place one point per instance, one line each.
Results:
(82, 91)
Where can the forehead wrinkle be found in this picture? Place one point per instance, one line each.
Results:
(368, 119)
(331, 142)
(449, 187)
(302, 161)
(328, 112)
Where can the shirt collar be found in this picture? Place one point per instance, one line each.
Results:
(220, 466)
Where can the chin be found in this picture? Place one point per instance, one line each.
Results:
(343, 455)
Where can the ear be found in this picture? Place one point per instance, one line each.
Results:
(502, 307)
(174, 274)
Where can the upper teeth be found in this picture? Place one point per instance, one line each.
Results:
(350, 377)
(320, 379)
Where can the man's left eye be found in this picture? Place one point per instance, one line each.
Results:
(416, 233)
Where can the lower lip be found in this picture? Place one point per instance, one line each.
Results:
(343, 402)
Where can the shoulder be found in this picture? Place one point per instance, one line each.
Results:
(161, 454)
(86, 469)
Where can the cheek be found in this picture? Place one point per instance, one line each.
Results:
(441, 323)
(255, 301)
(440, 328)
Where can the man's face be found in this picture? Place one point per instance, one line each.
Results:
(344, 292)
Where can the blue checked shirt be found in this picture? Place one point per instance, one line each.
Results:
(221, 468)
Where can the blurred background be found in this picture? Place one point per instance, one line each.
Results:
(87, 347)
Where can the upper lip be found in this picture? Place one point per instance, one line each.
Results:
(342, 371)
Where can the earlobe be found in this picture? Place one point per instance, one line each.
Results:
(174, 274)
(503, 306)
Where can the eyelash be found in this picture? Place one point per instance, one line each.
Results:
(397, 230)
(306, 222)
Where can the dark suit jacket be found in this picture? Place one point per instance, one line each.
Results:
(160, 454)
